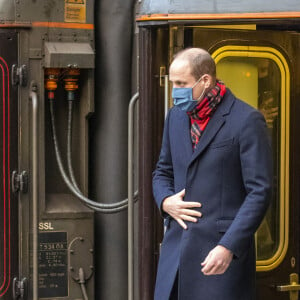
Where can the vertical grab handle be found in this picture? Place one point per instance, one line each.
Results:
(34, 100)
(166, 94)
(131, 107)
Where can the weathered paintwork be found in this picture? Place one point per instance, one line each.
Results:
(42, 11)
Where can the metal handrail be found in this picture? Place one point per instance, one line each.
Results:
(34, 100)
(166, 94)
(131, 107)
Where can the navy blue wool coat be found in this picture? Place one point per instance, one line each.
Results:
(230, 173)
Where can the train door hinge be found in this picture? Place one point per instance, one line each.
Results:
(19, 182)
(19, 289)
(19, 75)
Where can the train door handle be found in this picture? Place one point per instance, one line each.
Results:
(131, 107)
(293, 288)
(19, 182)
(20, 288)
(34, 178)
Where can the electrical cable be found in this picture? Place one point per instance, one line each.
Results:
(100, 207)
(82, 284)
(69, 154)
(69, 145)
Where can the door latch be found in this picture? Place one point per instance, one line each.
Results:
(19, 75)
(19, 289)
(162, 74)
(19, 182)
(293, 288)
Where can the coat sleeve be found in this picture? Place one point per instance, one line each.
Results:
(256, 169)
(163, 179)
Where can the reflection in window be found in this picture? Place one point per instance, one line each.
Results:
(257, 81)
(268, 104)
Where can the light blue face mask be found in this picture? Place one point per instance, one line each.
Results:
(183, 97)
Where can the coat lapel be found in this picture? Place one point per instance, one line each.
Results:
(214, 125)
(184, 128)
(209, 133)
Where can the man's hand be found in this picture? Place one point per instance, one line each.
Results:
(217, 261)
(180, 210)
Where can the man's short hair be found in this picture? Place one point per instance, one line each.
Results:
(199, 60)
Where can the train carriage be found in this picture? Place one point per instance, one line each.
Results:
(255, 48)
(84, 93)
(49, 113)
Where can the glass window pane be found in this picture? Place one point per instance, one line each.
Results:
(256, 80)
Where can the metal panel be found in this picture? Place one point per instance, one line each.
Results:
(217, 6)
(7, 10)
(54, 11)
(63, 55)
(8, 160)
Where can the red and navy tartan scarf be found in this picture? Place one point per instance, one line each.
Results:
(202, 113)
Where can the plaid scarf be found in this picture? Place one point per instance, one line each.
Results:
(202, 113)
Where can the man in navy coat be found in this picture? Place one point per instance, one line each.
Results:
(212, 185)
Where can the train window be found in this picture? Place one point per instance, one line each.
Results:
(260, 76)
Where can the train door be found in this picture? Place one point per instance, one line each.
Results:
(262, 67)
(8, 157)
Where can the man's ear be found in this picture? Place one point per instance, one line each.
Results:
(208, 81)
